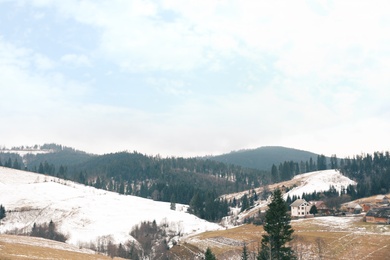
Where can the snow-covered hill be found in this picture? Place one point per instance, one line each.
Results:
(307, 183)
(304, 183)
(318, 181)
(84, 213)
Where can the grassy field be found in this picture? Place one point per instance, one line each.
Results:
(20, 247)
(317, 238)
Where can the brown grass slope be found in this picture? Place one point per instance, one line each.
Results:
(21, 247)
(317, 238)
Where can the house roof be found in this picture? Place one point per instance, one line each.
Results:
(298, 203)
(352, 205)
(317, 203)
(379, 212)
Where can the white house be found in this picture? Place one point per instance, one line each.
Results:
(300, 208)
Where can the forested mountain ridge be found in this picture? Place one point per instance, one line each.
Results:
(263, 158)
(192, 181)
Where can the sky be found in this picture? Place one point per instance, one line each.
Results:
(192, 78)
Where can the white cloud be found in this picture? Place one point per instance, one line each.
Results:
(42, 62)
(310, 73)
(304, 38)
(171, 86)
(76, 60)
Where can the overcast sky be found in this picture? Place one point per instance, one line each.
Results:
(187, 78)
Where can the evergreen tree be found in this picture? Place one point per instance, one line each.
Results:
(279, 231)
(274, 174)
(312, 165)
(2, 212)
(307, 167)
(173, 202)
(122, 188)
(313, 210)
(62, 172)
(52, 230)
(245, 254)
(34, 230)
(234, 202)
(321, 162)
(209, 255)
(16, 165)
(8, 163)
(334, 162)
(82, 179)
(40, 168)
(244, 203)
(98, 183)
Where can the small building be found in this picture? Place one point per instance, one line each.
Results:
(300, 208)
(381, 199)
(321, 207)
(352, 207)
(378, 215)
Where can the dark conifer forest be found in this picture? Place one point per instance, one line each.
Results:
(371, 172)
(192, 181)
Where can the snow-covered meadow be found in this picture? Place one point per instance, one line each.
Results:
(84, 213)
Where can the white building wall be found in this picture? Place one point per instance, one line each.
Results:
(300, 211)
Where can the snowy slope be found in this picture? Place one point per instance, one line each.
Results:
(84, 213)
(319, 181)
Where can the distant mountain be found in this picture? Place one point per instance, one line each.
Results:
(262, 158)
(55, 155)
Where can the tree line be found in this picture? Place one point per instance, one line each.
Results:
(48, 231)
(14, 163)
(288, 169)
(370, 171)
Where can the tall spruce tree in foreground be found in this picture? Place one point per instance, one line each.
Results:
(279, 231)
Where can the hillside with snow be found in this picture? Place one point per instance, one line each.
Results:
(318, 181)
(84, 213)
(307, 183)
(310, 182)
